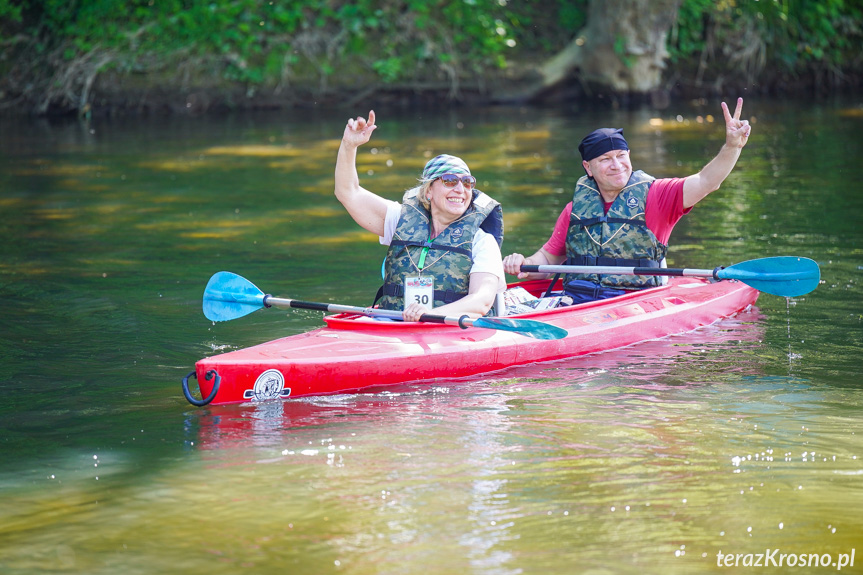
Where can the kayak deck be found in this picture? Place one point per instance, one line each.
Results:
(353, 352)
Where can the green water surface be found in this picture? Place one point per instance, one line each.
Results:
(742, 437)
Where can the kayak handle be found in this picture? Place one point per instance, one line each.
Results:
(209, 375)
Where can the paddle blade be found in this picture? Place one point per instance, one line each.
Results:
(229, 296)
(785, 276)
(528, 327)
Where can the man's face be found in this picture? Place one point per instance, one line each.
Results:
(611, 170)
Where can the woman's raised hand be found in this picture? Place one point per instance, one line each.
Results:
(359, 130)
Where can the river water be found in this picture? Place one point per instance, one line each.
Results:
(742, 438)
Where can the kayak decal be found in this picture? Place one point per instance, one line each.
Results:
(600, 317)
(269, 385)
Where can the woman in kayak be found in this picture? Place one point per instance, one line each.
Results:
(444, 238)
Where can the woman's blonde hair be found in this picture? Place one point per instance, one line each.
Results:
(422, 194)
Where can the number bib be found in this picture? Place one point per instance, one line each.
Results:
(419, 290)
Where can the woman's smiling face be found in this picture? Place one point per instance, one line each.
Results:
(449, 203)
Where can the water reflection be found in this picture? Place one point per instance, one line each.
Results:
(739, 437)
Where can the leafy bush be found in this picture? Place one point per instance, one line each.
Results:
(262, 42)
(766, 40)
(51, 51)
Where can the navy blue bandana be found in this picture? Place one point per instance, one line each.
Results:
(601, 141)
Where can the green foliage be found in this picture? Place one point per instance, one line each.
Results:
(749, 36)
(260, 42)
(252, 41)
(10, 11)
(621, 51)
(389, 69)
(546, 26)
(353, 42)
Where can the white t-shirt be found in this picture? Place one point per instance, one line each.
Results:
(485, 252)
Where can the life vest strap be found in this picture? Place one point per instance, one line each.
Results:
(607, 220)
(413, 244)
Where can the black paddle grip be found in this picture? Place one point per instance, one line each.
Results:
(313, 305)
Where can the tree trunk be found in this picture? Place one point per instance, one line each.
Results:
(621, 48)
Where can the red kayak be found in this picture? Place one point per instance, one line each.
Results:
(354, 352)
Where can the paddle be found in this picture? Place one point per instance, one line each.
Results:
(229, 296)
(786, 276)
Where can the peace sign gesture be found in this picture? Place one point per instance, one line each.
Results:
(359, 131)
(736, 130)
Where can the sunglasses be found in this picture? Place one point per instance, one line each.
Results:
(451, 181)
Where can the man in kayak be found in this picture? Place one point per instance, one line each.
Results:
(618, 217)
(444, 237)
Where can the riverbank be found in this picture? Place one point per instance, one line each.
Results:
(113, 94)
(111, 58)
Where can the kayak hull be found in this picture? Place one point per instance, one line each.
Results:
(354, 353)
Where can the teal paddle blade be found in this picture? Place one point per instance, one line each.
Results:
(528, 327)
(785, 276)
(229, 296)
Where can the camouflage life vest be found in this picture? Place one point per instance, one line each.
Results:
(449, 256)
(618, 238)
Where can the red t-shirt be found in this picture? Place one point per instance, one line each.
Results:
(664, 209)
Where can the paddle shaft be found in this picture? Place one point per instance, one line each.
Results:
(463, 322)
(614, 270)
